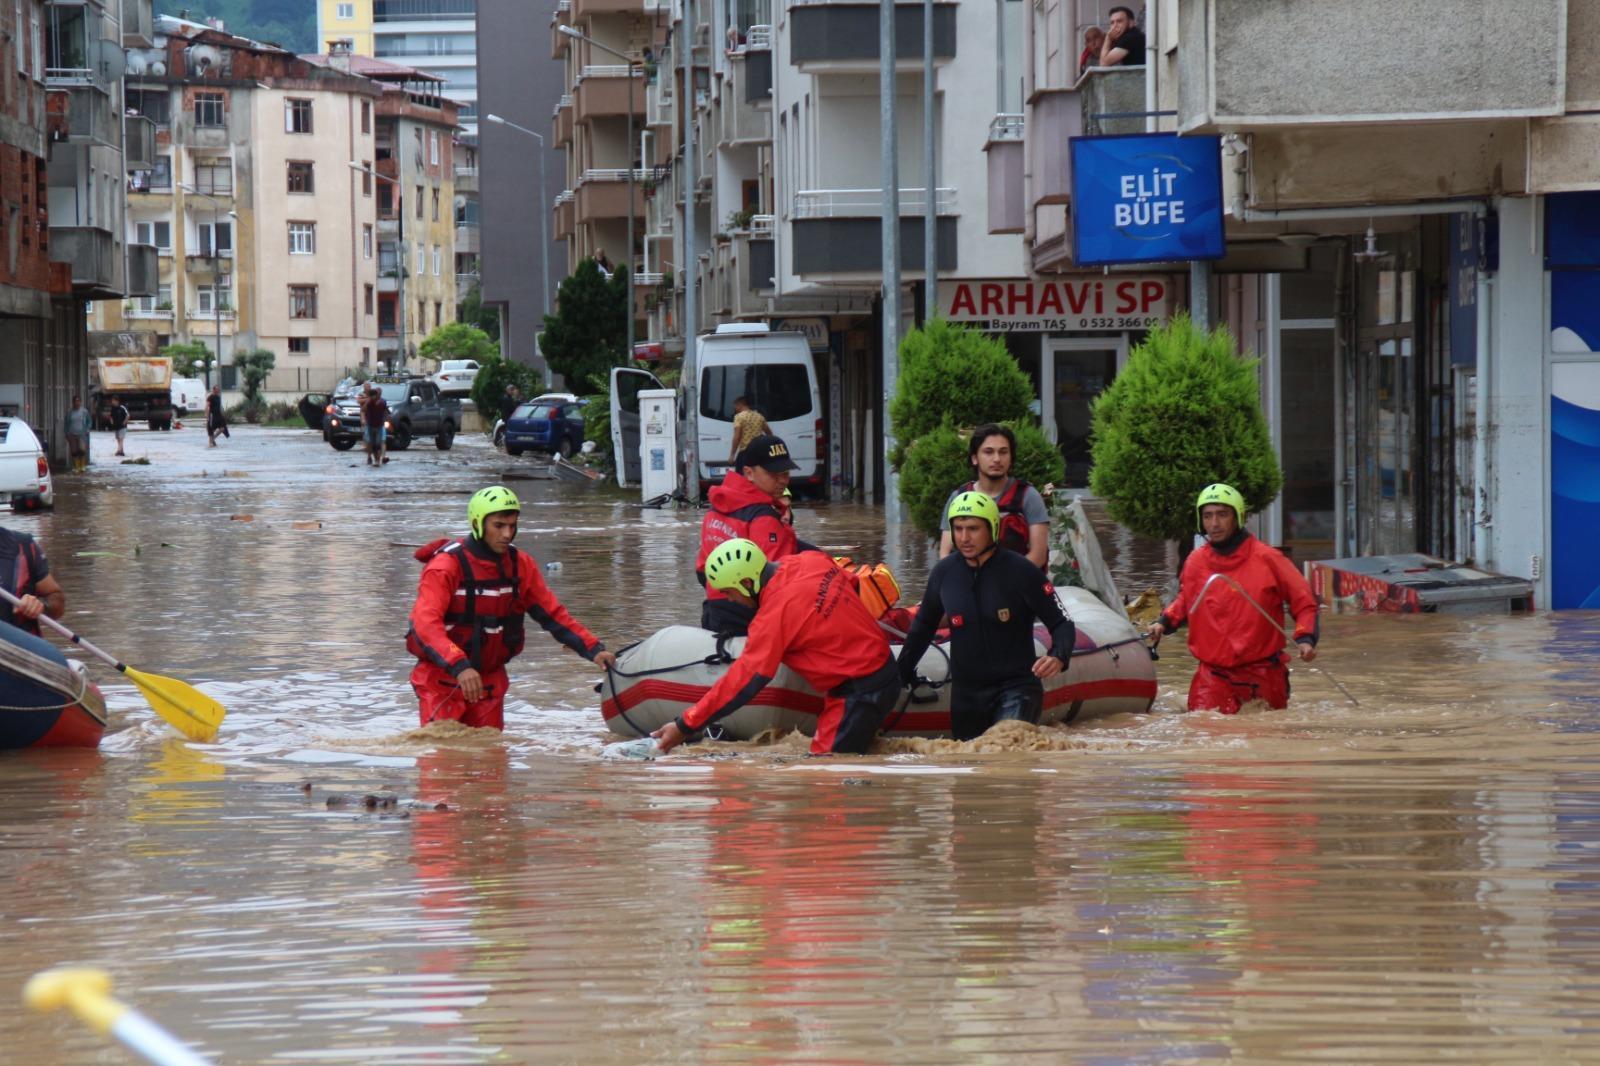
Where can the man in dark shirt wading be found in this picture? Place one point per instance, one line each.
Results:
(992, 598)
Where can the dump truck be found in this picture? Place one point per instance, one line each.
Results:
(124, 366)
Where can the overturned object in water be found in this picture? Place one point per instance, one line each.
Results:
(44, 700)
(659, 678)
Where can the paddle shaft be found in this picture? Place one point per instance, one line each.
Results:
(1276, 624)
(69, 634)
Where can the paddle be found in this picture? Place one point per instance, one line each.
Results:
(86, 993)
(184, 707)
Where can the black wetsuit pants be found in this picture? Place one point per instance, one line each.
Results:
(855, 711)
(974, 708)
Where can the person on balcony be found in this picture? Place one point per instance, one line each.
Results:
(1124, 43)
(1093, 38)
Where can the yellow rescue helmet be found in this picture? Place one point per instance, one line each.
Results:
(1219, 493)
(733, 563)
(972, 504)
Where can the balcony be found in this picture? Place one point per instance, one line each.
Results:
(560, 42)
(1112, 100)
(389, 280)
(608, 92)
(561, 123)
(387, 11)
(751, 64)
(147, 181)
(755, 268)
(209, 265)
(1054, 117)
(826, 36)
(1250, 65)
(839, 231)
(1004, 152)
(94, 258)
(137, 29)
(565, 211)
(467, 242)
(658, 104)
(742, 122)
(191, 134)
(90, 117)
(467, 181)
(603, 194)
(465, 283)
(583, 10)
(139, 147)
(144, 270)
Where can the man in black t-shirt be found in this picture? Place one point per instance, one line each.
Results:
(1124, 44)
(119, 423)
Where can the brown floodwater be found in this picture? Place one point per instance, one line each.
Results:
(1413, 877)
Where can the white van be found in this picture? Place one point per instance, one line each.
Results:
(188, 396)
(774, 369)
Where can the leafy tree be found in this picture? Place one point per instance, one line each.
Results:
(1184, 413)
(494, 374)
(588, 333)
(254, 364)
(949, 373)
(473, 313)
(457, 340)
(191, 360)
(936, 463)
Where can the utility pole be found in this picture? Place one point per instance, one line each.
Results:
(930, 171)
(690, 433)
(891, 247)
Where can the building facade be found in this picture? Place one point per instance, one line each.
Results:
(435, 36)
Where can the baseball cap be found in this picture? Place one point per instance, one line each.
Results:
(769, 453)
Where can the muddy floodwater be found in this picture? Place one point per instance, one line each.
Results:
(1413, 877)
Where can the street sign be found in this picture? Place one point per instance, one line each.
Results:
(1054, 305)
(1146, 198)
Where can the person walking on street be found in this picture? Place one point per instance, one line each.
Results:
(993, 597)
(216, 419)
(467, 621)
(749, 504)
(77, 429)
(1230, 590)
(807, 615)
(1025, 523)
(119, 423)
(25, 573)
(748, 424)
(375, 426)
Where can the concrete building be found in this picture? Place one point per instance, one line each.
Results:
(524, 87)
(435, 36)
(267, 237)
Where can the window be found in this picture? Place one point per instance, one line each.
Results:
(437, 256)
(156, 233)
(438, 314)
(302, 238)
(297, 116)
(366, 178)
(299, 345)
(216, 238)
(387, 260)
(422, 260)
(161, 302)
(419, 201)
(302, 301)
(211, 300)
(67, 50)
(433, 150)
(214, 178)
(436, 205)
(151, 103)
(779, 390)
(366, 116)
(369, 300)
(209, 109)
(344, 13)
(161, 176)
(302, 176)
(366, 242)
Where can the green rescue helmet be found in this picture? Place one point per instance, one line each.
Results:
(495, 499)
(1219, 493)
(733, 563)
(973, 504)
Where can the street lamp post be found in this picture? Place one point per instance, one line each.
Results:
(544, 231)
(626, 58)
(401, 255)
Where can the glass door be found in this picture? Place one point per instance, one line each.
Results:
(1384, 405)
(1073, 371)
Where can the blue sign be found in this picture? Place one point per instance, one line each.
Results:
(1145, 198)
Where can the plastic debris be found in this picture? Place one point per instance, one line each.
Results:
(243, 517)
(552, 568)
(643, 748)
(308, 525)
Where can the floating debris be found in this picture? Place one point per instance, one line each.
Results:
(141, 461)
(644, 748)
(243, 517)
(307, 525)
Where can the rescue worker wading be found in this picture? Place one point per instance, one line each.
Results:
(992, 597)
(748, 505)
(808, 617)
(1240, 651)
(467, 621)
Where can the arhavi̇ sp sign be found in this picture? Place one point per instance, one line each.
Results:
(1146, 198)
(1108, 302)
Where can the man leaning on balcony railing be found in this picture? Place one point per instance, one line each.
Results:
(1124, 44)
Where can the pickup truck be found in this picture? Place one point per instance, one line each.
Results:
(24, 472)
(416, 409)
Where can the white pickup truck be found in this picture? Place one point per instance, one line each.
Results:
(24, 472)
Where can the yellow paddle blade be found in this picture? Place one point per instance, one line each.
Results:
(184, 707)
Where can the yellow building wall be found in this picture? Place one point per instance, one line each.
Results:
(358, 28)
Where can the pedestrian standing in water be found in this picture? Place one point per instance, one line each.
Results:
(992, 597)
(216, 419)
(467, 622)
(119, 423)
(375, 425)
(77, 431)
(1230, 590)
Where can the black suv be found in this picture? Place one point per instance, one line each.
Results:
(416, 409)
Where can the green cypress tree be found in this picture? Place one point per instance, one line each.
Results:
(587, 334)
(1185, 412)
(949, 373)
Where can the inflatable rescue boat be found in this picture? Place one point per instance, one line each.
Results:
(45, 701)
(660, 677)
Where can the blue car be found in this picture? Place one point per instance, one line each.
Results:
(554, 426)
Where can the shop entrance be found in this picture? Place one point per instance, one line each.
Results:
(1381, 388)
(1072, 372)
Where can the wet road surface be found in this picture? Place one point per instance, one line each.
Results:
(1412, 878)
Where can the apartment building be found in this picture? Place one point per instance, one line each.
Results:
(266, 235)
(435, 36)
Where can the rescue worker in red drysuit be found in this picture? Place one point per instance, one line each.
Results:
(467, 622)
(749, 504)
(808, 616)
(1240, 651)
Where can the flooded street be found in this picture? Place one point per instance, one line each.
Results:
(1414, 877)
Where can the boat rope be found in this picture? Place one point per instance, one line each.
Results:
(83, 690)
(1289, 641)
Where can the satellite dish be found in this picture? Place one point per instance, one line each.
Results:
(158, 68)
(135, 64)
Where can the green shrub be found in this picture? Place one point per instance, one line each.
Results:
(1184, 413)
(949, 373)
(458, 340)
(936, 465)
(489, 385)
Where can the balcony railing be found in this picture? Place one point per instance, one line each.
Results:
(618, 174)
(1007, 127)
(762, 225)
(867, 203)
(423, 10)
(613, 70)
(758, 38)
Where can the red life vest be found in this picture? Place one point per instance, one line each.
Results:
(739, 509)
(482, 617)
(1013, 522)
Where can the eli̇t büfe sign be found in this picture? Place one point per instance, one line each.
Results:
(1068, 304)
(1146, 198)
